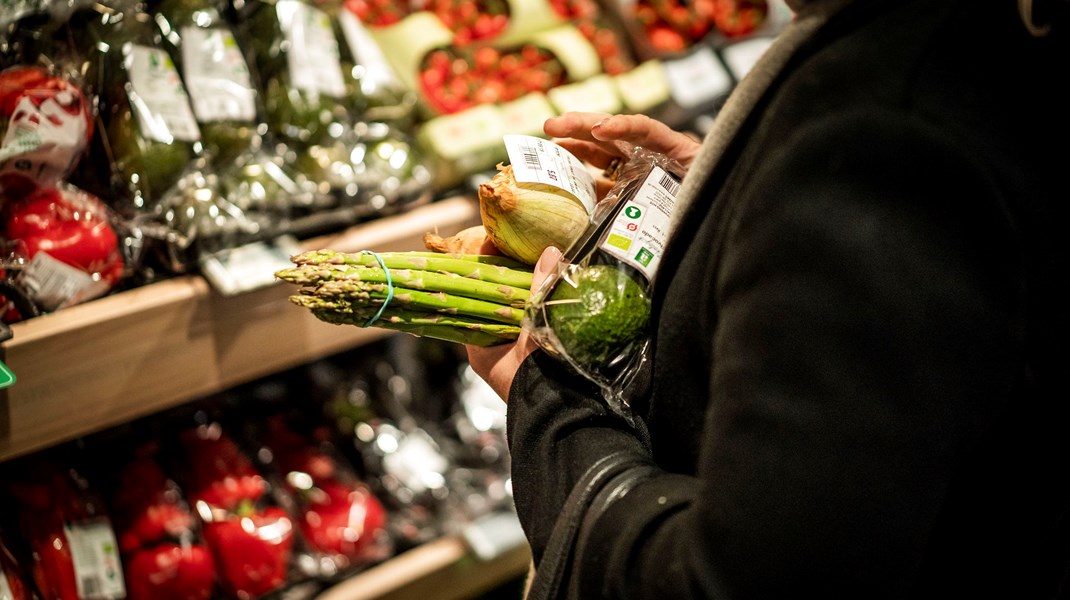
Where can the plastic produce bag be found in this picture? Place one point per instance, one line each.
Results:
(593, 310)
(250, 536)
(149, 156)
(227, 107)
(45, 127)
(159, 536)
(342, 522)
(68, 533)
(311, 99)
(61, 245)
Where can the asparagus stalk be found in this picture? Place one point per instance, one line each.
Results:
(374, 294)
(494, 269)
(447, 333)
(450, 283)
(399, 316)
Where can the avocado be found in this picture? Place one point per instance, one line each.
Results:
(597, 313)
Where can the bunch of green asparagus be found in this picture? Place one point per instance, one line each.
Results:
(464, 298)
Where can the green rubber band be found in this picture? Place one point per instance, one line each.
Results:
(389, 288)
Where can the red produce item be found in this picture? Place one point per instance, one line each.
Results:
(45, 126)
(336, 513)
(735, 18)
(12, 582)
(170, 572)
(220, 474)
(148, 508)
(377, 13)
(71, 542)
(251, 548)
(72, 227)
(454, 79)
(341, 519)
(53, 569)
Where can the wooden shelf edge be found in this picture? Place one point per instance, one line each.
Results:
(444, 569)
(108, 361)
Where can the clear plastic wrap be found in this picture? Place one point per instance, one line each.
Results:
(59, 245)
(148, 156)
(593, 310)
(159, 536)
(341, 521)
(65, 529)
(227, 105)
(250, 536)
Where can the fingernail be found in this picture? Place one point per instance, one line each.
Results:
(600, 123)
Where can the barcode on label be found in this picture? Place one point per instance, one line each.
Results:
(531, 158)
(91, 586)
(669, 184)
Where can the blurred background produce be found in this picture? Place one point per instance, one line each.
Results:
(187, 144)
(211, 125)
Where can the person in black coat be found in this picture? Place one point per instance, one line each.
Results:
(857, 383)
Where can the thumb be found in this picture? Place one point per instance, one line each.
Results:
(546, 265)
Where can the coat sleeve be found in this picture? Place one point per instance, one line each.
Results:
(864, 339)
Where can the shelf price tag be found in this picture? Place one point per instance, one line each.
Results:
(246, 268)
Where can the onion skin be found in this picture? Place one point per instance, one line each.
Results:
(473, 240)
(524, 221)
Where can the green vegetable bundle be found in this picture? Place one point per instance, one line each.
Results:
(464, 298)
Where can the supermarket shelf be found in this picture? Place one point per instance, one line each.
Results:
(444, 569)
(103, 363)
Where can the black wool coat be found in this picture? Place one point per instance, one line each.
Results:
(857, 387)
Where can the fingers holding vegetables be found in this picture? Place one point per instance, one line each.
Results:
(598, 138)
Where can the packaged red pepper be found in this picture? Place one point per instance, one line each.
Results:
(70, 537)
(251, 539)
(62, 242)
(342, 523)
(164, 556)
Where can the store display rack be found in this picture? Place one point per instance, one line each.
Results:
(93, 366)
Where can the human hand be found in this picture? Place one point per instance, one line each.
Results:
(497, 365)
(599, 138)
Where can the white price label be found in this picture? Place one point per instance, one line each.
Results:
(54, 284)
(95, 554)
(249, 267)
(313, 56)
(158, 97)
(698, 78)
(536, 160)
(641, 228)
(217, 76)
(742, 56)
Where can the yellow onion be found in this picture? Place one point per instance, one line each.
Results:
(523, 219)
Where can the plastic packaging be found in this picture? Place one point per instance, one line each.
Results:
(68, 532)
(159, 536)
(227, 105)
(593, 310)
(60, 245)
(341, 521)
(149, 157)
(251, 538)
